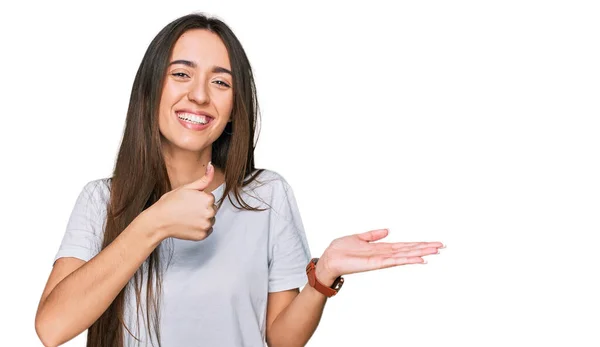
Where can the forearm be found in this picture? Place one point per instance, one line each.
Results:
(80, 298)
(295, 325)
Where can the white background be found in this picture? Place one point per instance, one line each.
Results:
(475, 123)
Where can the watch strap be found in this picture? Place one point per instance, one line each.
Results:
(320, 287)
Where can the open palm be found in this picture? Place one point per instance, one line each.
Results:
(360, 253)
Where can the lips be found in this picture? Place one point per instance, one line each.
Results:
(194, 120)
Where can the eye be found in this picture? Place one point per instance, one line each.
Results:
(180, 75)
(222, 83)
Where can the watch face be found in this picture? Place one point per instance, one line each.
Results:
(337, 285)
(311, 264)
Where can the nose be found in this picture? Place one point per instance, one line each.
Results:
(198, 92)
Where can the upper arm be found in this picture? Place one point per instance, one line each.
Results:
(289, 251)
(276, 303)
(288, 254)
(82, 237)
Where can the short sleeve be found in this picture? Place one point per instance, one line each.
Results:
(82, 238)
(289, 253)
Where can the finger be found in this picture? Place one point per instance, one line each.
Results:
(393, 261)
(204, 181)
(404, 245)
(412, 245)
(213, 208)
(373, 235)
(407, 244)
(383, 249)
(383, 262)
(380, 247)
(420, 252)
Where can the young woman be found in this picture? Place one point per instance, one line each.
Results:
(188, 244)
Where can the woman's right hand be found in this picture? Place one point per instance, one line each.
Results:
(187, 212)
(78, 292)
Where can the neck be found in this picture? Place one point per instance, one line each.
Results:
(185, 167)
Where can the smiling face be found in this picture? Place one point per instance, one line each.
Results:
(197, 95)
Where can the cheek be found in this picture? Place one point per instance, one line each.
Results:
(168, 98)
(225, 103)
(163, 115)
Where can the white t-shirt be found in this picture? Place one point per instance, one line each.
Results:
(215, 290)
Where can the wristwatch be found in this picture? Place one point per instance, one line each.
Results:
(314, 282)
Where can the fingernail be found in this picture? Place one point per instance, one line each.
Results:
(424, 262)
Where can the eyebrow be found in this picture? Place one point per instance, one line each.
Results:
(216, 69)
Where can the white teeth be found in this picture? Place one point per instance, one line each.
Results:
(193, 118)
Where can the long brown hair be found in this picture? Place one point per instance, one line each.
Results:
(140, 174)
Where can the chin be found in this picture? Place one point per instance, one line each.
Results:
(188, 145)
(193, 147)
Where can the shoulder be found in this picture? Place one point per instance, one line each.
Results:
(270, 181)
(274, 190)
(96, 192)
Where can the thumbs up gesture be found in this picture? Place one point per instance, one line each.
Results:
(187, 212)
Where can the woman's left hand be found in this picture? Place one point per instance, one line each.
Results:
(356, 253)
